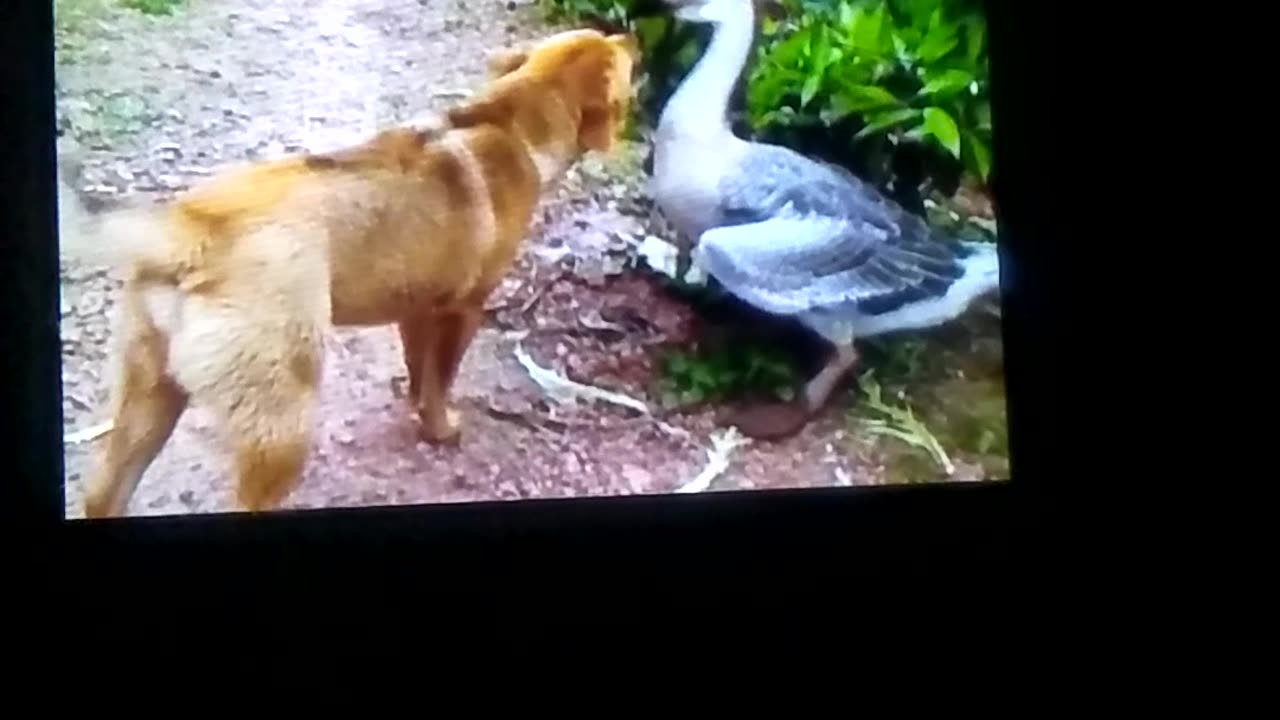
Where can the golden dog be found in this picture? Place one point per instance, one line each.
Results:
(230, 289)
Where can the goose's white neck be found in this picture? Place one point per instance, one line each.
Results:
(700, 105)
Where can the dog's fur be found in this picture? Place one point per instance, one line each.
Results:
(229, 290)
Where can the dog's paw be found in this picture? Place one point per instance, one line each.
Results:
(447, 431)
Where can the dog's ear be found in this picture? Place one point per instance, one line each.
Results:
(627, 43)
(506, 61)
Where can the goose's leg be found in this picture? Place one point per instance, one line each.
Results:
(818, 390)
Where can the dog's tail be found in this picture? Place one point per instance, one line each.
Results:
(112, 236)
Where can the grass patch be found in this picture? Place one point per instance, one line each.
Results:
(900, 422)
(715, 373)
(153, 7)
(71, 19)
(936, 400)
(76, 23)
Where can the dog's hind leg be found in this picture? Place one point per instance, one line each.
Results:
(451, 335)
(415, 334)
(259, 369)
(146, 405)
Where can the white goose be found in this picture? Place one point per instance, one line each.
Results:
(793, 236)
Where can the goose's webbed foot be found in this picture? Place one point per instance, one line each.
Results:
(780, 420)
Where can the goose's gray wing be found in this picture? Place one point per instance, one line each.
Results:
(797, 235)
(769, 178)
(789, 265)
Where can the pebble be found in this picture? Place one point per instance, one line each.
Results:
(637, 477)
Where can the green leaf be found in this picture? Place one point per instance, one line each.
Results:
(702, 376)
(859, 99)
(979, 155)
(867, 97)
(822, 50)
(949, 81)
(811, 85)
(939, 40)
(865, 29)
(982, 115)
(939, 123)
(900, 49)
(846, 15)
(880, 428)
(885, 120)
(977, 39)
(650, 30)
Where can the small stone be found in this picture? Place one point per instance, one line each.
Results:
(572, 465)
(636, 476)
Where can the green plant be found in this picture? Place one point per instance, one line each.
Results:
(900, 422)
(700, 374)
(897, 90)
(574, 11)
(891, 76)
(152, 7)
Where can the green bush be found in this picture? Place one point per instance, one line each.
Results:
(897, 90)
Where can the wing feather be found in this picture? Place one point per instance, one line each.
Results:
(796, 235)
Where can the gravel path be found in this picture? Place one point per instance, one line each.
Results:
(157, 103)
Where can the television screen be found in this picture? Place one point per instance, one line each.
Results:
(381, 252)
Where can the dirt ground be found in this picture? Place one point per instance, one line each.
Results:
(157, 103)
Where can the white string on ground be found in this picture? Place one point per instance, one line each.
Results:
(93, 432)
(722, 446)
